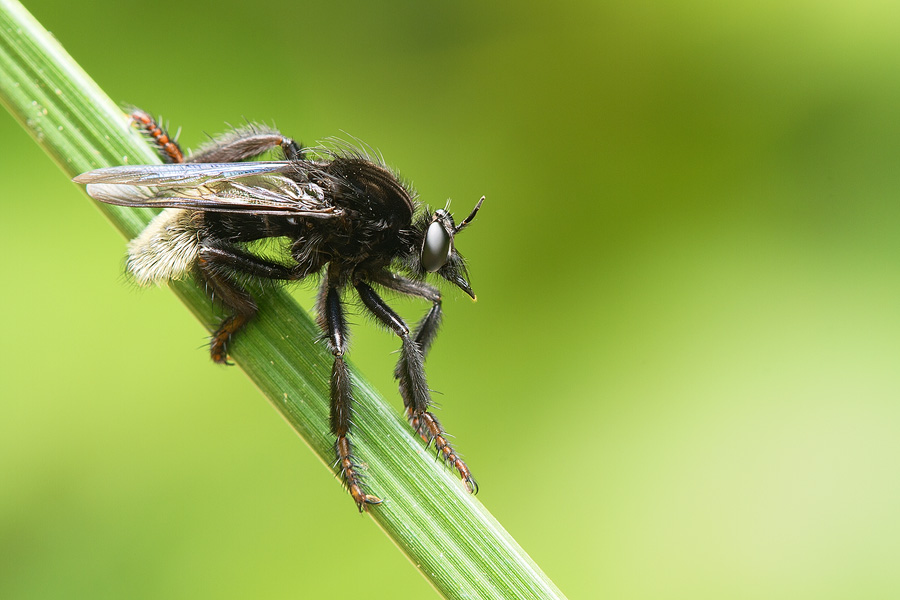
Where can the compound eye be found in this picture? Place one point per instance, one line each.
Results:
(436, 249)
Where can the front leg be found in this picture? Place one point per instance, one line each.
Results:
(413, 385)
(423, 336)
(428, 327)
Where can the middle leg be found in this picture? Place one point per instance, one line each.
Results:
(333, 323)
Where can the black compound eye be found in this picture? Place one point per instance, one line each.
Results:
(436, 249)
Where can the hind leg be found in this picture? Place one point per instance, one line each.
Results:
(168, 148)
(241, 144)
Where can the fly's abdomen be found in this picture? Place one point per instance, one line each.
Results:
(166, 249)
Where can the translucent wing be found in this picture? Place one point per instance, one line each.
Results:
(259, 188)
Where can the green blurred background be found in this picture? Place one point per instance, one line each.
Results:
(680, 379)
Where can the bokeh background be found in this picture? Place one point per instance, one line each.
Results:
(680, 379)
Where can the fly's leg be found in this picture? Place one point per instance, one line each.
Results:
(168, 148)
(423, 336)
(428, 327)
(245, 143)
(332, 321)
(411, 368)
(220, 267)
(240, 144)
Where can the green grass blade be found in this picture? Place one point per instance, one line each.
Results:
(446, 533)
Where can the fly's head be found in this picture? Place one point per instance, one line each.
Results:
(435, 250)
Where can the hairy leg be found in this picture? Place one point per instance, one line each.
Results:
(333, 323)
(411, 375)
(241, 144)
(221, 267)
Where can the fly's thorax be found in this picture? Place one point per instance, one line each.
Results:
(371, 190)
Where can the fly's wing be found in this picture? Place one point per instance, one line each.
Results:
(259, 188)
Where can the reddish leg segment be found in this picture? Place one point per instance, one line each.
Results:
(168, 148)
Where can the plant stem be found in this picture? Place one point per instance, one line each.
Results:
(446, 533)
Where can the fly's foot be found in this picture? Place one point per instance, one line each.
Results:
(351, 476)
(218, 345)
(429, 429)
(168, 148)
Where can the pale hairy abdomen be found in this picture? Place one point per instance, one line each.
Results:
(166, 249)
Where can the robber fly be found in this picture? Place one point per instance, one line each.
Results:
(344, 216)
